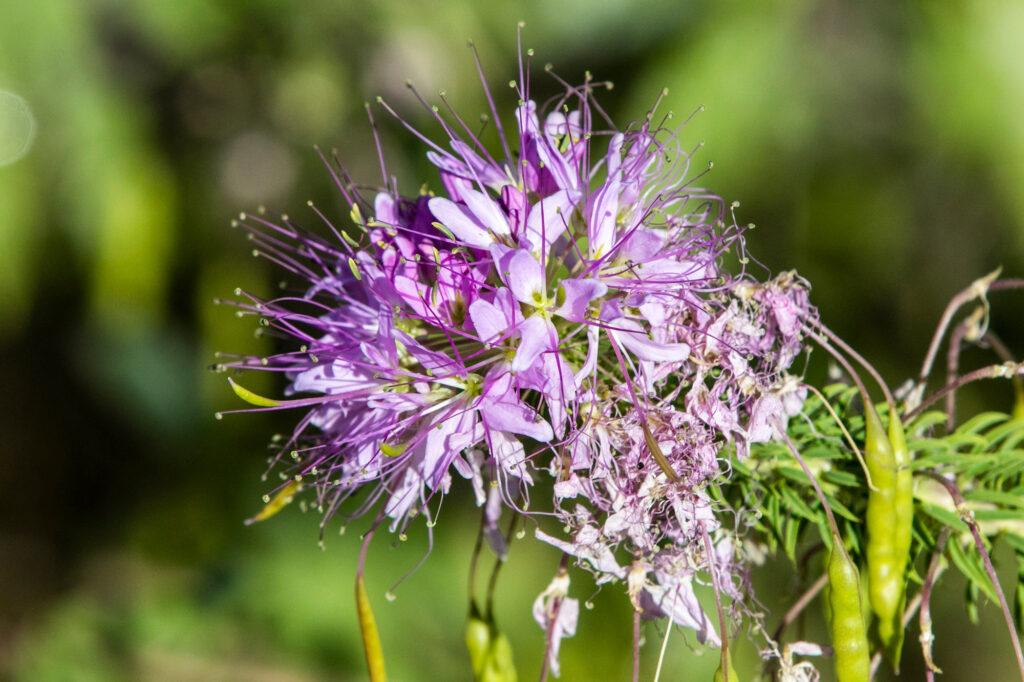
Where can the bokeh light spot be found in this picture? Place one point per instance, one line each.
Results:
(17, 127)
(257, 167)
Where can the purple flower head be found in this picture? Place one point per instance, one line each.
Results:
(563, 309)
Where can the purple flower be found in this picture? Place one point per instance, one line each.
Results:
(564, 311)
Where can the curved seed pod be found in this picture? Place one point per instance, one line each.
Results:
(368, 628)
(501, 667)
(490, 651)
(732, 676)
(885, 567)
(846, 614)
(478, 641)
(846, 617)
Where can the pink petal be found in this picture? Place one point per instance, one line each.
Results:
(637, 342)
(482, 171)
(403, 496)
(642, 245)
(578, 295)
(602, 219)
(512, 416)
(489, 321)
(385, 208)
(537, 335)
(525, 277)
(447, 436)
(563, 625)
(510, 454)
(486, 211)
(514, 202)
(414, 295)
(590, 364)
(549, 217)
(492, 515)
(676, 599)
(459, 222)
(613, 159)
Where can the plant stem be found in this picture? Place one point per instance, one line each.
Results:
(636, 645)
(549, 632)
(863, 363)
(979, 542)
(709, 550)
(978, 289)
(968, 329)
(799, 605)
(1005, 370)
(908, 615)
(661, 654)
(833, 526)
(492, 583)
(846, 433)
(927, 637)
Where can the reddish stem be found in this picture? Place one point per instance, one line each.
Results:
(978, 288)
(549, 632)
(709, 550)
(636, 645)
(863, 363)
(925, 616)
(1005, 370)
(967, 517)
(800, 604)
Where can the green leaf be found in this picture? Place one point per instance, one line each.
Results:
(995, 497)
(795, 504)
(946, 517)
(792, 538)
(842, 478)
(926, 421)
(981, 422)
(970, 565)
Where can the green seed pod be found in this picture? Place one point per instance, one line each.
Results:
(720, 676)
(501, 667)
(490, 652)
(371, 637)
(890, 632)
(886, 565)
(478, 641)
(846, 617)
(1018, 402)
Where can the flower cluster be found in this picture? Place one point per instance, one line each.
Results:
(574, 309)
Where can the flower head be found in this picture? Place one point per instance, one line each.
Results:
(565, 310)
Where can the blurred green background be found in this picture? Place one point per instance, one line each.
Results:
(878, 146)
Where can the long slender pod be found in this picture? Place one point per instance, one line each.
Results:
(846, 612)
(885, 573)
(890, 631)
(849, 633)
